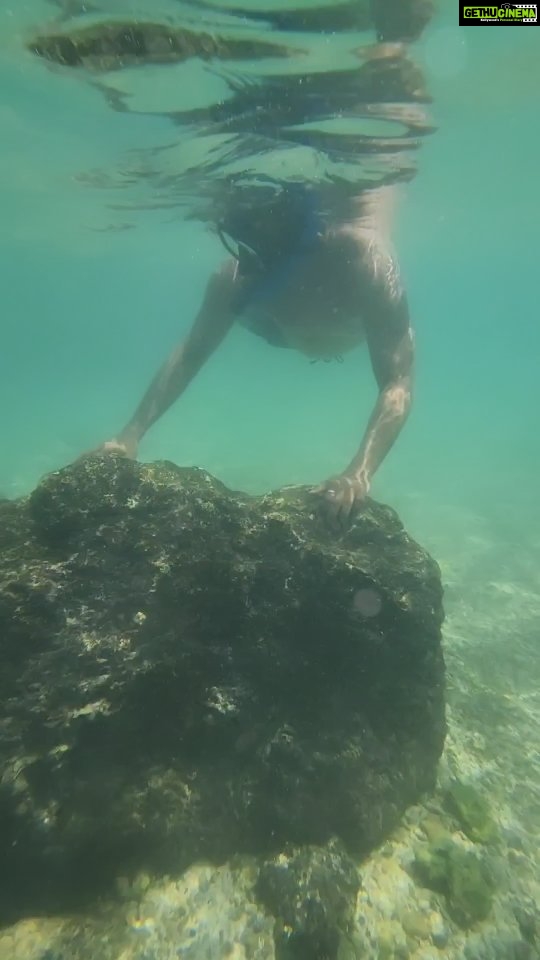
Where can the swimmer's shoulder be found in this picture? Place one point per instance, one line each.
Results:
(369, 255)
(225, 286)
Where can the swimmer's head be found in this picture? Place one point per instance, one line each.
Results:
(269, 220)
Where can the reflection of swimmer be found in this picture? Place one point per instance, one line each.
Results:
(320, 284)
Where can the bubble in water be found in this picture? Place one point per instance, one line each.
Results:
(367, 602)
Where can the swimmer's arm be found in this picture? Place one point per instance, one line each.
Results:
(391, 346)
(213, 321)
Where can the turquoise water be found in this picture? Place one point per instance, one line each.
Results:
(89, 314)
(90, 311)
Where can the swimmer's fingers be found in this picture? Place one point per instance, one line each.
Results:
(337, 499)
(345, 499)
(341, 496)
(115, 448)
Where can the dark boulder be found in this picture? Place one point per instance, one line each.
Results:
(189, 672)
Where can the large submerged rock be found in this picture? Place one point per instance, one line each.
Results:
(189, 672)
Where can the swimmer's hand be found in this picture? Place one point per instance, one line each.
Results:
(121, 447)
(342, 495)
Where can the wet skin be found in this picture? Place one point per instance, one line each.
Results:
(343, 291)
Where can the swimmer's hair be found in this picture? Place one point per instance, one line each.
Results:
(265, 213)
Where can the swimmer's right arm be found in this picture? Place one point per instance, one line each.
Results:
(212, 323)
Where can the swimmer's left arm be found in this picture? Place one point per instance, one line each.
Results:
(391, 346)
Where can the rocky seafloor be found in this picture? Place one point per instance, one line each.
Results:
(458, 878)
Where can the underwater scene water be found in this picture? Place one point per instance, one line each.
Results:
(123, 124)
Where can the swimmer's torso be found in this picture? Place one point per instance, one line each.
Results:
(316, 308)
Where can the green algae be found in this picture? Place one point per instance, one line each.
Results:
(472, 811)
(416, 925)
(460, 876)
(435, 828)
